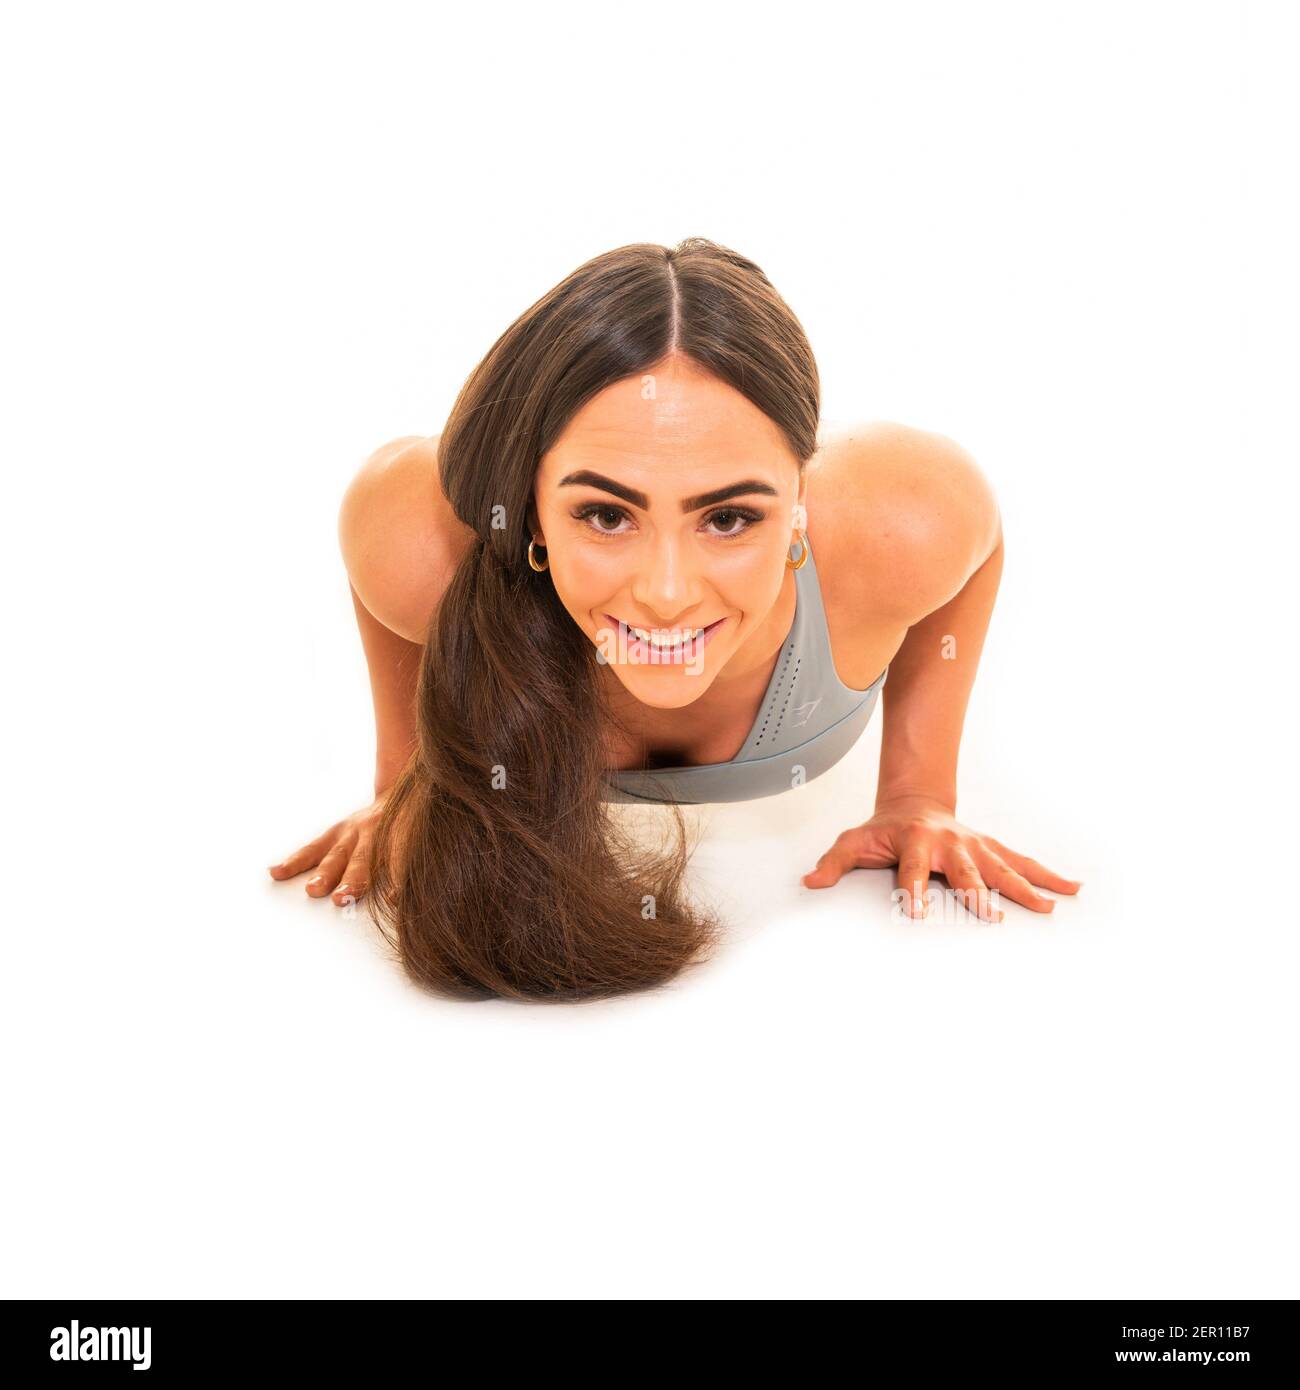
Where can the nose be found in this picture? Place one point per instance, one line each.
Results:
(666, 584)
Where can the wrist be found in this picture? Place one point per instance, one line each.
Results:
(384, 780)
(915, 799)
(390, 763)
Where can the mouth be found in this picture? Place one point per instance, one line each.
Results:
(663, 646)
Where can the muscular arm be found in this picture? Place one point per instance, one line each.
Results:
(940, 551)
(394, 667)
(928, 689)
(401, 544)
(933, 564)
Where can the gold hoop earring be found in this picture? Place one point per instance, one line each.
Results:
(803, 554)
(532, 559)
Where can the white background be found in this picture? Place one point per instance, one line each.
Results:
(244, 245)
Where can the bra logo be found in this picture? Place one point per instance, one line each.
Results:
(806, 709)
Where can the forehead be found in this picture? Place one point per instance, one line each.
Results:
(666, 425)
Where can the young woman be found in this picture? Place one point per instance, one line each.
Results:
(629, 570)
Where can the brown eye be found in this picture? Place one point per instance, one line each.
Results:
(734, 521)
(605, 512)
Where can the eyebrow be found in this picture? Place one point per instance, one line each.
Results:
(586, 478)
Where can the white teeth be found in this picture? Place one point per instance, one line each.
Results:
(663, 638)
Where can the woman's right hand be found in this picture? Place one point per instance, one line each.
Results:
(341, 857)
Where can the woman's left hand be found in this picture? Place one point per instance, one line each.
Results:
(922, 836)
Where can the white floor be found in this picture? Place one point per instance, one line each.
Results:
(226, 1089)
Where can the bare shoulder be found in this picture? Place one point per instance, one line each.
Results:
(400, 539)
(903, 516)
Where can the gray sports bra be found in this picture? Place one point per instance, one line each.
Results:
(807, 722)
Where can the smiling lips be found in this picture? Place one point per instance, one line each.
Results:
(660, 646)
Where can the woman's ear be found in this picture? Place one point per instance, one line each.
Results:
(532, 524)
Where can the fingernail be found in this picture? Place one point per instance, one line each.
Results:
(342, 888)
(311, 882)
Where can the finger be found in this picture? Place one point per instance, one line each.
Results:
(960, 871)
(833, 865)
(305, 858)
(354, 883)
(330, 870)
(1034, 871)
(914, 876)
(1012, 885)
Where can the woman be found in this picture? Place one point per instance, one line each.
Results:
(598, 584)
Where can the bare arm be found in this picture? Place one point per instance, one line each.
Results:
(394, 666)
(929, 687)
(951, 567)
(401, 544)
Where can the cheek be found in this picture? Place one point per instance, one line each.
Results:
(591, 569)
(585, 582)
(752, 583)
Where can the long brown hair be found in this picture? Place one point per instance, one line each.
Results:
(497, 867)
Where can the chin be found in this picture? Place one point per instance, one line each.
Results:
(675, 693)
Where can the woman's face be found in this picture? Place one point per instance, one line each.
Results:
(667, 509)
